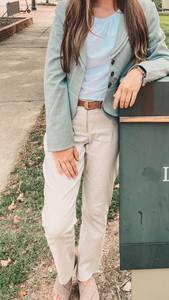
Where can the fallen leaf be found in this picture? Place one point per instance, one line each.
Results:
(50, 269)
(127, 287)
(117, 186)
(16, 219)
(5, 262)
(22, 293)
(14, 186)
(116, 232)
(12, 205)
(21, 197)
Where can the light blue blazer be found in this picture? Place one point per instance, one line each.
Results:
(61, 90)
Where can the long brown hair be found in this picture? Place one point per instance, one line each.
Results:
(78, 22)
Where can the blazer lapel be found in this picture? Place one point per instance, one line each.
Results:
(121, 38)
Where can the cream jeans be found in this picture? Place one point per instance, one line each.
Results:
(96, 139)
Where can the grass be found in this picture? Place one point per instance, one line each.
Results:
(21, 234)
(22, 238)
(164, 20)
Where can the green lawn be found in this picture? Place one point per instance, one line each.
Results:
(164, 20)
(22, 240)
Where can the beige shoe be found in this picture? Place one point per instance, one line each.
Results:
(63, 292)
(60, 291)
(89, 290)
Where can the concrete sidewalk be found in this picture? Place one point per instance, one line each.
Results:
(21, 86)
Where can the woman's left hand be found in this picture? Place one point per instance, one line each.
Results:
(128, 89)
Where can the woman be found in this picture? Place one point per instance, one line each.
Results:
(100, 53)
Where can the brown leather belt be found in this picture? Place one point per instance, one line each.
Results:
(90, 104)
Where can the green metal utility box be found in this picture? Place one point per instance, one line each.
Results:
(144, 179)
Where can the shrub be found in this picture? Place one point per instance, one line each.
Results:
(158, 4)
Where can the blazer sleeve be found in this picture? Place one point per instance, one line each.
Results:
(156, 64)
(58, 116)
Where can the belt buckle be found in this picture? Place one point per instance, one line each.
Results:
(86, 105)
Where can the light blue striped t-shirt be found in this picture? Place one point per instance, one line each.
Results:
(100, 44)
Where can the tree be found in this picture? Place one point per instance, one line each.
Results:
(158, 4)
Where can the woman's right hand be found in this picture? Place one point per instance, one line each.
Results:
(66, 161)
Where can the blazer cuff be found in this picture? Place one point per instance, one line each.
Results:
(56, 142)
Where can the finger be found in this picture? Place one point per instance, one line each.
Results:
(76, 153)
(123, 98)
(59, 168)
(70, 169)
(74, 166)
(58, 165)
(117, 96)
(133, 99)
(128, 99)
(65, 170)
